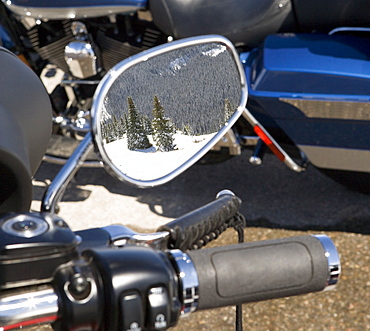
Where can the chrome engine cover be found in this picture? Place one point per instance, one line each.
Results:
(82, 55)
(81, 59)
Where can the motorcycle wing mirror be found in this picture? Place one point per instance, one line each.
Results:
(157, 113)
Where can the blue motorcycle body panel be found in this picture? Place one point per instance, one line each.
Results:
(5, 39)
(62, 9)
(315, 88)
(287, 60)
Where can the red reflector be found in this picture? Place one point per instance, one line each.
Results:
(269, 143)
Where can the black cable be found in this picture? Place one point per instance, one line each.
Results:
(239, 225)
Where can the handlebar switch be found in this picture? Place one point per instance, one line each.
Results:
(158, 308)
(139, 286)
(132, 312)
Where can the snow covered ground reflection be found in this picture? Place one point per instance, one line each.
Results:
(150, 164)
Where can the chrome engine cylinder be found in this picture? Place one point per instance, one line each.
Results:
(81, 55)
(81, 59)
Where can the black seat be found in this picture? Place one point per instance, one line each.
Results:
(249, 22)
(325, 15)
(240, 21)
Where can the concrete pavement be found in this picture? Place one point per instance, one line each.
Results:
(273, 196)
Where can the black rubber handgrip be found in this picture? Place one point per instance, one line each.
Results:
(202, 223)
(262, 270)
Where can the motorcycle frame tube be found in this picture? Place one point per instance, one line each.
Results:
(117, 70)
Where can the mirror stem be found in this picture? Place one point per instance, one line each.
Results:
(56, 189)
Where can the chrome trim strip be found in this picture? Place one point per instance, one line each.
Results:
(331, 109)
(348, 29)
(334, 267)
(37, 305)
(55, 13)
(337, 158)
(189, 279)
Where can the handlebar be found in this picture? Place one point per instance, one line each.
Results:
(127, 281)
(157, 288)
(197, 228)
(265, 270)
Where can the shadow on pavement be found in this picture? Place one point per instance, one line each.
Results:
(273, 196)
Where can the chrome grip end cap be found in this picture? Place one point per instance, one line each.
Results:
(332, 255)
(189, 279)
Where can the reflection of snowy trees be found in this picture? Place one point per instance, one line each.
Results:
(163, 129)
(228, 111)
(192, 84)
(137, 127)
(136, 136)
(114, 129)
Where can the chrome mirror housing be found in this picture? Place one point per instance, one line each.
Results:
(157, 113)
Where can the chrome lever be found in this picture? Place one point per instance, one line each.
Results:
(121, 235)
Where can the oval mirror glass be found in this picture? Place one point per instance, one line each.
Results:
(159, 112)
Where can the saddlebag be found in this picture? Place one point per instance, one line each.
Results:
(316, 89)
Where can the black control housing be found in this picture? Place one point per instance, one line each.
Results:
(140, 285)
(32, 246)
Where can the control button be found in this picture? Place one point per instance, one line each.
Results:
(132, 312)
(158, 310)
(134, 327)
(160, 322)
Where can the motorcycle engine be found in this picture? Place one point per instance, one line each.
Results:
(116, 37)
